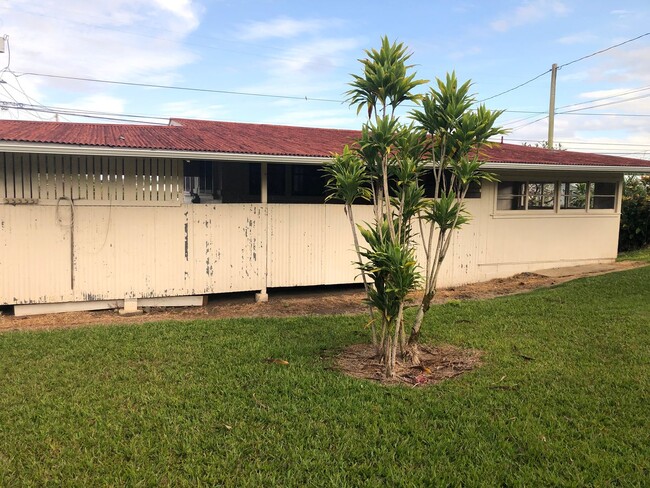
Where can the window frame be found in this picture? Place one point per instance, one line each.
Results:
(559, 196)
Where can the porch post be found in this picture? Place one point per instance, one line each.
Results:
(263, 296)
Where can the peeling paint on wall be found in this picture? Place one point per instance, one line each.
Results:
(187, 238)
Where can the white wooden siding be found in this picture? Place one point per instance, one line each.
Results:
(131, 237)
(48, 178)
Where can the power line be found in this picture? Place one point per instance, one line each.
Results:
(603, 50)
(603, 114)
(636, 90)
(515, 87)
(513, 129)
(50, 110)
(181, 88)
(606, 104)
(564, 65)
(566, 141)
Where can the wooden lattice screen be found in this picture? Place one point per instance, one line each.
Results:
(32, 177)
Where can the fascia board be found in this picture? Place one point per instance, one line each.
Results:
(79, 150)
(582, 168)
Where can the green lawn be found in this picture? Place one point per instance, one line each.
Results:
(638, 255)
(179, 404)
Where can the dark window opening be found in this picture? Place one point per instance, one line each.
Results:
(198, 177)
(602, 195)
(307, 181)
(511, 195)
(429, 183)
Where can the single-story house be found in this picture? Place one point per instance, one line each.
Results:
(105, 215)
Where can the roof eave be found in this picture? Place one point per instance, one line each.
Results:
(82, 150)
(87, 150)
(510, 166)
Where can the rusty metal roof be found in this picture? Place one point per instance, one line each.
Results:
(262, 139)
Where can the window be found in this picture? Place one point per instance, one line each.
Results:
(520, 195)
(197, 176)
(429, 184)
(542, 195)
(573, 195)
(276, 179)
(307, 180)
(602, 195)
(511, 195)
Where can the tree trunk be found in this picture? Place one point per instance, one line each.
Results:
(413, 349)
(402, 339)
(389, 362)
(398, 333)
(363, 273)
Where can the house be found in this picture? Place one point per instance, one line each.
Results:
(97, 216)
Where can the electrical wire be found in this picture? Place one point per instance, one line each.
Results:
(513, 129)
(73, 111)
(563, 66)
(514, 87)
(602, 114)
(32, 108)
(20, 89)
(636, 90)
(607, 104)
(566, 141)
(603, 50)
(181, 88)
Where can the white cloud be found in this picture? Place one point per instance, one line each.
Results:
(283, 27)
(307, 69)
(529, 12)
(577, 38)
(463, 53)
(314, 57)
(95, 103)
(625, 66)
(333, 118)
(127, 40)
(191, 109)
(183, 9)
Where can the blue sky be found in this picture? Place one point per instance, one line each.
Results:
(308, 49)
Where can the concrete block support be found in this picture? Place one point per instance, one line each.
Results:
(261, 297)
(130, 307)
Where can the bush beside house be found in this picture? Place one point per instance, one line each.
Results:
(635, 214)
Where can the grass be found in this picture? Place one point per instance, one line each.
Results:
(178, 404)
(636, 255)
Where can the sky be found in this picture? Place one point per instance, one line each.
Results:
(289, 62)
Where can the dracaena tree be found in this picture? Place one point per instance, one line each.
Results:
(386, 166)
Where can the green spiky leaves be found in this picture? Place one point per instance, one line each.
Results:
(385, 81)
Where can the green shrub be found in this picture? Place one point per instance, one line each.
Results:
(635, 214)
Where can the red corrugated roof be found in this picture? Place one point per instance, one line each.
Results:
(231, 137)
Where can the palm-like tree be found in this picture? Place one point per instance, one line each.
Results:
(387, 165)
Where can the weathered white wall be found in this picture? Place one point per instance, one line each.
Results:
(127, 251)
(149, 249)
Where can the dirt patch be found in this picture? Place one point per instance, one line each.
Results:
(438, 364)
(285, 303)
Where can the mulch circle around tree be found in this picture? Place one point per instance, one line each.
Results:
(438, 364)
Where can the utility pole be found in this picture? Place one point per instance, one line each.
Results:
(551, 107)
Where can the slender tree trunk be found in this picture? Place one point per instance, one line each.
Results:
(402, 339)
(413, 351)
(363, 273)
(398, 333)
(380, 347)
(389, 363)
